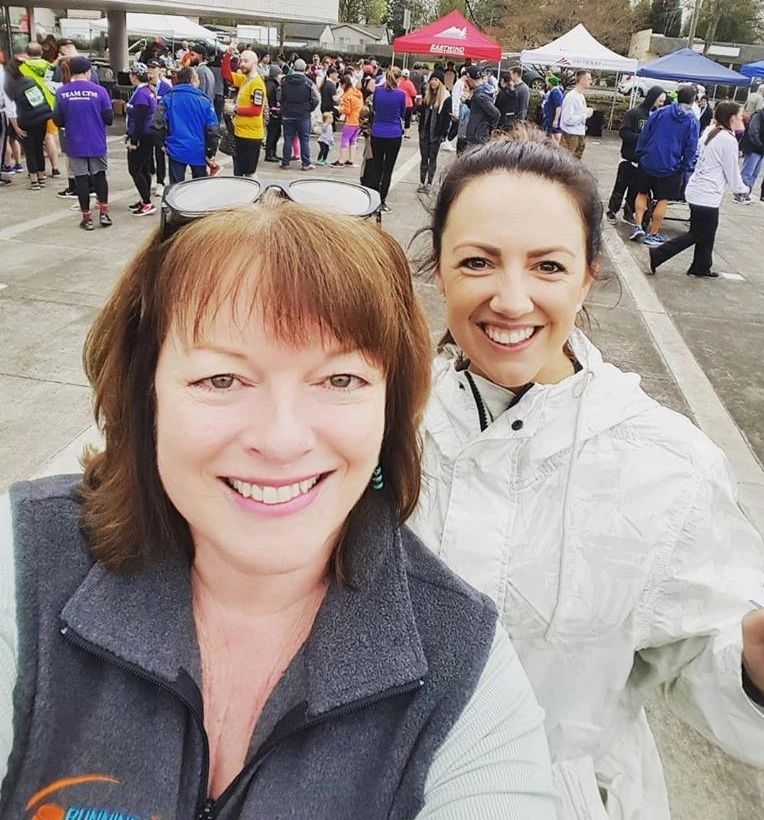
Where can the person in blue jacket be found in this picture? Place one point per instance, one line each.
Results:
(666, 151)
(186, 123)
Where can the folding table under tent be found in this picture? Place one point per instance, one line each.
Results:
(580, 49)
(753, 69)
(451, 37)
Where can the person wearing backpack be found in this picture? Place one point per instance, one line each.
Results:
(33, 110)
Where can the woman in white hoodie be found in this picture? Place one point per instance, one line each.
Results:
(604, 525)
(716, 171)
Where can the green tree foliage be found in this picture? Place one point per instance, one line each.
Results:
(666, 17)
(365, 12)
(530, 23)
(643, 11)
(730, 21)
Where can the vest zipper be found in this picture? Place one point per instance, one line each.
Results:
(213, 807)
(207, 808)
(204, 806)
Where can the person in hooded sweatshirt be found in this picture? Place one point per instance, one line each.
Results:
(633, 122)
(716, 171)
(187, 125)
(666, 151)
(484, 115)
(604, 525)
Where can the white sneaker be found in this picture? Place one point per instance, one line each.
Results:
(448, 146)
(158, 189)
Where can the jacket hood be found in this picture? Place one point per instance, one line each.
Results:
(652, 95)
(295, 79)
(38, 66)
(597, 398)
(186, 88)
(680, 111)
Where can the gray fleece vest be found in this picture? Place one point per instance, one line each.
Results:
(108, 715)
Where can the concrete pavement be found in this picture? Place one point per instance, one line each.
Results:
(694, 342)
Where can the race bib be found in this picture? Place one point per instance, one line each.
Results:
(34, 96)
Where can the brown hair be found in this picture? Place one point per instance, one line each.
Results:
(362, 294)
(392, 75)
(723, 115)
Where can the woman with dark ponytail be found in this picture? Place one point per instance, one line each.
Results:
(717, 169)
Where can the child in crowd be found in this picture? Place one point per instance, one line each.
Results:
(326, 137)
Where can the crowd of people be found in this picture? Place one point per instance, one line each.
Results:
(187, 106)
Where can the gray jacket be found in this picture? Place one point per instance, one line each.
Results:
(206, 81)
(109, 680)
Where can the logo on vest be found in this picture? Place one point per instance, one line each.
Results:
(56, 811)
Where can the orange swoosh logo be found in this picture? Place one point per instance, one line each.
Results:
(66, 782)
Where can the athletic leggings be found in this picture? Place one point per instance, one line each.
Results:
(139, 166)
(428, 151)
(385, 151)
(82, 186)
(33, 144)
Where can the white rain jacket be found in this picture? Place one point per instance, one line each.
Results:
(606, 528)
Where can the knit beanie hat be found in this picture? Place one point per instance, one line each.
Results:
(438, 74)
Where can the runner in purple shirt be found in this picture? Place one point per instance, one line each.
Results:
(84, 110)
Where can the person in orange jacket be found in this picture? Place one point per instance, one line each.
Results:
(352, 102)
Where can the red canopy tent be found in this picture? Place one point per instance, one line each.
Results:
(450, 37)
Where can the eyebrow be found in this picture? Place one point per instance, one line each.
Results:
(497, 251)
(208, 347)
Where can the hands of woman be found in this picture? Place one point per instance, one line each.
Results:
(753, 647)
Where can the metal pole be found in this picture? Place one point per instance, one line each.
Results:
(612, 107)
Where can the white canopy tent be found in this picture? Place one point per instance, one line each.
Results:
(579, 49)
(169, 26)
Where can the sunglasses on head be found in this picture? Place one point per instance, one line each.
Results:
(196, 198)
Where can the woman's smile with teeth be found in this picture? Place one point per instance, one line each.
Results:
(503, 336)
(272, 495)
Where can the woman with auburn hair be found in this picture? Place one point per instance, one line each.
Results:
(604, 525)
(232, 620)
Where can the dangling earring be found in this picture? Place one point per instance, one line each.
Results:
(377, 482)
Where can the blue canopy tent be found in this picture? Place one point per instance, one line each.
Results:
(692, 67)
(753, 69)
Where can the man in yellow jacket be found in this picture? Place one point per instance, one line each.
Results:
(249, 115)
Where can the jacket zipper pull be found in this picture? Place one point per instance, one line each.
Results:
(206, 811)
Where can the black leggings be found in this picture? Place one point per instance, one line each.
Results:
(428, 150)
(82, 185)
(623, 186)
(703, 224)
(323, 151)
(139, 166)
(160, 162)
(385, 151)
(33, 144)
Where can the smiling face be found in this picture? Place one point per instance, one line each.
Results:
(514, 277)
(265, 448)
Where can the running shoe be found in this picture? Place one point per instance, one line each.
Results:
(422, 189)
(146, 209)
(653, 240)
(7, 169)
(56, 172)
(385, 208)
(637, 235)
(41, 182)
(629, 218)
(611, 217)
(743, 199)
(35, 186)
(321, 162)
(87, 224)
(67, 193)
(104, 220)
(337, 164)
(310, 167)
(158, 189)
(136, 206)
(18, 168)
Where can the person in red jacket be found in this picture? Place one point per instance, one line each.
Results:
(409, 89)
(229, 63)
